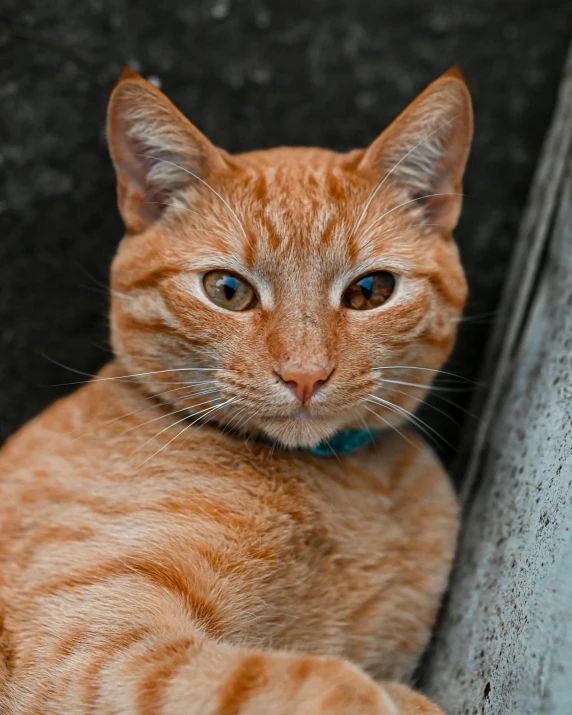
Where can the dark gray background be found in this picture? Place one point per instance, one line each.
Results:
(250, 74)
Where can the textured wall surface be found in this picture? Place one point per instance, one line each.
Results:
(504, 646)
(250, 74)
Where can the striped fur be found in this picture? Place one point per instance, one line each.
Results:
(149, 567)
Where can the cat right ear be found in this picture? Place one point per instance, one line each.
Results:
(426, 148)
(156, 151)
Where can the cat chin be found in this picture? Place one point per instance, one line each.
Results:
(295, 433)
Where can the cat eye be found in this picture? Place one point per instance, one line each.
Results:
(229, 291)
(369, 291)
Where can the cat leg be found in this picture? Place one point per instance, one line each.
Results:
(126, 645)
(174, 675)
(249, 682)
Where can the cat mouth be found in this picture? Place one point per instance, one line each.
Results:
(300, 414)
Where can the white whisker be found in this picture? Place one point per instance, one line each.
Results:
(387, 422)
(161, 403)
(154, 396)
(427, 369)
(208, 411)
(421, 386)
(424, 427)
(186, 409)
(411, 201)
(198, 178)
(223, 234)
(137, 374)
(435, 392)
(421, 399)
(382, 181)
(243, 423)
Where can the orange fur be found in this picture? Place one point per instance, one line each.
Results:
(151, 567)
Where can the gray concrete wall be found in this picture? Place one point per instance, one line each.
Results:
(504, 645)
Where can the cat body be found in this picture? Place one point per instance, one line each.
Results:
(340, 558)
(169, 543)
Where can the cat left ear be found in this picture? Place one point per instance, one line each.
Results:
(155, 149)
(426, 148)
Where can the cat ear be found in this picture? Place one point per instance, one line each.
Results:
(155, 149)
(426, 148)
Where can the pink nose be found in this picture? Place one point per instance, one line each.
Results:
(305, 384)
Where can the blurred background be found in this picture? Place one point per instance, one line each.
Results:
(250, 74)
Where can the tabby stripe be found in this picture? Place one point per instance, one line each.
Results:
(170, 657)
(91, 678)
(159, 575)
(246, 681)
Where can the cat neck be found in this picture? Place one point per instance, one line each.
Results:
(343, 442)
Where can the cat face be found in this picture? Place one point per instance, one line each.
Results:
(292, 292)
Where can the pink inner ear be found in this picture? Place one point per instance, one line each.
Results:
(155, 151)
(426, 148)
(141, 203)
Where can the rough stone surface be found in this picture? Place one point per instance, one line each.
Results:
(251, 74)
(505, 642)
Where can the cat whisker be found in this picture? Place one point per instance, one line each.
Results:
(136, 374)
(365, 425)
(186, 409)
(443, 399)
(224, 429)
(155, 406)
(419, 423)
(369, 235)
(382, 181)
(333, 451)
(203, 413)
(480, 318)
(234, 416)
(405, 203)
(128, 378)
(206, 412)
(426, 369)
(421, 400)
(127, 382)
(421, 386)
(359, 416)
(271, 452)
(387, 422)
(154, 396)
(174, 205)
(205, 183)
(249, 417)
(176, 389)
(170, 353)
(421, 426)
(102, 287)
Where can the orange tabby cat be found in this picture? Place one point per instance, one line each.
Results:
(277, 300)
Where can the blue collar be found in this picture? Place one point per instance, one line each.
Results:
(344, 442)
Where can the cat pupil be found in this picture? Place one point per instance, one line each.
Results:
(229, 285)
(366, 285)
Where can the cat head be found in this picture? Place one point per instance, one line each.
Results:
(292, 292)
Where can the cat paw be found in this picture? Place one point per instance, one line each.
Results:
(323, 686)
(409, 702)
